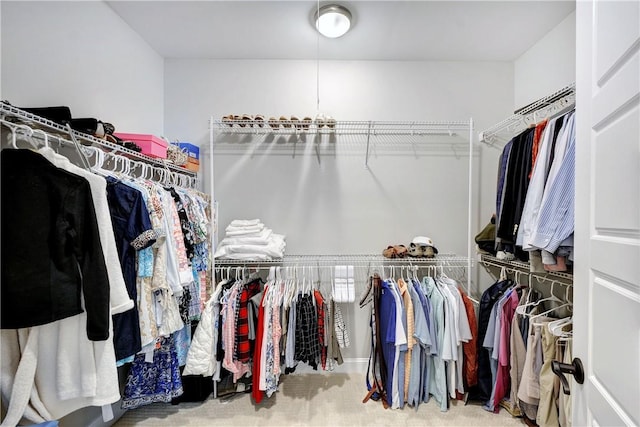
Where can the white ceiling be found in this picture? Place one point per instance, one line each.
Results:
(382, 30)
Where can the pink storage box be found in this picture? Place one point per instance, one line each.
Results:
(151, 145)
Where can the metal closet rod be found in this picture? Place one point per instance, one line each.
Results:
(361, 260)
(549, 104)
(8, 110)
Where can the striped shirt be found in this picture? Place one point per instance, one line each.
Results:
(556, 219)
(536, 186)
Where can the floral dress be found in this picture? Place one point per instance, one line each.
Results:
(157, 381)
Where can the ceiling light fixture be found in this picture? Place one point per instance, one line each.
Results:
(333, 20)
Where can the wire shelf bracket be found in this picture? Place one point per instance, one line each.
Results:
(553, 103)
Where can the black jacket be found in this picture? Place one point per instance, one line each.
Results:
(51, 251)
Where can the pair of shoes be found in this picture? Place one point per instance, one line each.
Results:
(422, 247)
(242, 120)
(228, 120)
(505, 256)
(259, 120)
(418, 251)
(300, 124)
(286, 122)
(126, 144)
(397, 251)
(328, 121)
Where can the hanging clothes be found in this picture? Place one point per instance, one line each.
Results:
(488, 299)
(516, 185)
(307, 344)
(133, 231)
(470, 347)
(422, 342)
(60, 362)
(536, 185)
(48, 204)
(503, 377)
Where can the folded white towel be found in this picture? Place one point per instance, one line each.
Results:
(272, 250)
(246, 257)
(245, 232)
(263, 238)
(244, 222)
(250, 228)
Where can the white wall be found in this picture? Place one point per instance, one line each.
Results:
(333, 205)
(548, 65)
(349, 90)
(83, 55)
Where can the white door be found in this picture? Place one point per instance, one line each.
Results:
(607, 237)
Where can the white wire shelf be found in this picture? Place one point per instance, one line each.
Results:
(515, 265)
(503, 131)
(61, 133)
(349, 137)
(366, 128)
(362, 260)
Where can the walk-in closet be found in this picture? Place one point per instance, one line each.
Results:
(320, 213)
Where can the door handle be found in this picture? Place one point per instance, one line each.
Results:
(575, 368)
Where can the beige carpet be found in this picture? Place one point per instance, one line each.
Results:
(327, 399)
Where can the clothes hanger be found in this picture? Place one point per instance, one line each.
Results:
(12, 129)
(556, 327)
(544, 313)
(98, 155)
(148, 172)
(521, 309)
(289, 288)
(45, 136)
(28, 132)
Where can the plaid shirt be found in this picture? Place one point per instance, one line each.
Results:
(307, 348)
(242, 346)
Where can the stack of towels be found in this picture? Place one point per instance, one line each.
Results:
(250, 240)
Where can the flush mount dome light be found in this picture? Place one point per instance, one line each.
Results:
(333, 20)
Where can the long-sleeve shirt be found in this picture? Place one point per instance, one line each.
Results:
(556, 220)
(51, 251)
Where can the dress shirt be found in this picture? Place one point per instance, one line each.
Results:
(536, 187)
(556, 220)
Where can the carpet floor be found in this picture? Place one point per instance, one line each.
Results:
(312, 400)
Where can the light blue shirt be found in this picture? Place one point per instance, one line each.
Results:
(421, 334)
(438, 383)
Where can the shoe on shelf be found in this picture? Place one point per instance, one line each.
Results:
(274, 123)
(330, 122)
(415, 251)
(228, 120)
(505, 256)
(390, 252)
(429, 252)
(247, 120)
(286, 123)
